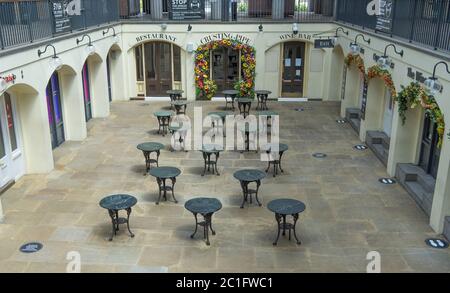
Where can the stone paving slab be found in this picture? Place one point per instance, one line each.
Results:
(348, 213)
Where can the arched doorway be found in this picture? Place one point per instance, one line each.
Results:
(338, 75)
(11, 148)
(293, 69)
(114, 73)
(86, 91)
(158, 68)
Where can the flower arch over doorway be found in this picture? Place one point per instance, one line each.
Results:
(206, 87)
(415, 94)
(358, 61)
(377, 71)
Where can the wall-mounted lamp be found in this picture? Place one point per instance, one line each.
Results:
(55, 61)
(354, 47)
(163, 26)
(90, 49)
(384, 61)
(261, 28)
(115, 37)
(189, 28)
(295, 28)
(336, 34)
(432, 84)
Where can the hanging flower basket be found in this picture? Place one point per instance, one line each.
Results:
(415, 94)
(385, 75)
(358, 61)
(206, 87)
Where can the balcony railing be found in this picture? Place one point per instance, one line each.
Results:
(24, 22)
(424, 22)
(229, 10)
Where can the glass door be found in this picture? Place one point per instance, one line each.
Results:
(388, 115)
(11, 159)
(429, 152)
(225, 68)
(55, 117)
(158, 68)
(87, 92)
(293, 69)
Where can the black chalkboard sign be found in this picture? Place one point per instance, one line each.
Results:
(186, 9)
(323, 43)
(61, 18)
(364, 100)
(384, 20)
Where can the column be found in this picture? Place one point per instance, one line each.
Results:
(117, 71)
(225, 10)
(216, 9)
(277, 9)
(99, 88)
(156, 9)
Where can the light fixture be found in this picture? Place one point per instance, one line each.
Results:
(431, 83)
(354, 47)
(340, 29)
(295, 28)
(55, 61)
(383, 61)
(115, 36)
(261, 28)
(90, 49)
(189, 28)
(163, 26)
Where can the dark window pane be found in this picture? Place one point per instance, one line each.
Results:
(139, 63)
(10, 120)
(176, 63)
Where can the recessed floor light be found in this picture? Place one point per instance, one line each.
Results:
(437, 243)
(319, 155)
(31, 247)
(360, 147)
(387, 181)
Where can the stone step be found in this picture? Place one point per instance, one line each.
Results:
(423, 198)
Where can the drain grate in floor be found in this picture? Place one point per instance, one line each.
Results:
(31, 247)
(437, 243)
(319, 155)
(387, 181)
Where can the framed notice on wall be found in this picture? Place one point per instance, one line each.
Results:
(364, 99)
(186, 9)
(384, 20)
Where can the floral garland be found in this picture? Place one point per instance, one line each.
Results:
(205, 87)
(415, 94)
(357, 60)
(377, 71)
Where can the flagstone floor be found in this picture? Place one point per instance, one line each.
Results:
(349, 213)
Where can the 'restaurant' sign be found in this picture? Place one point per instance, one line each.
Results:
(186, 9)
(323, 43)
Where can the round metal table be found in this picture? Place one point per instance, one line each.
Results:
(268, 123)
(246, 177)
(147, 149)
(248, 129)
(262, 96)
(205, 207)
(283, 208)
(244, 105)
(175, 94)
(163, 120)
(219, 116)
(230, 96)
(208, 150)
(182, 132)
(114, 204)
(275, 153)
(162, 174)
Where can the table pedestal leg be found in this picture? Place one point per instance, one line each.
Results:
(174, 180)
(244, 186)
(112, 214)
(160, 187)
(128, 222)
(278, 219)
(295, 216)
(196, 225)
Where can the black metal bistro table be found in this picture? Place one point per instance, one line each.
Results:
(163, 120)
(217, 116)
(180, 106)
(230, 96)
(269, 114)
(244, 105)
(147, 149)
(182, 132)
(175, 94)
(246, 177)
(205, 207)
(283, 208)
(208, 150)
(162, 174)
(262, 97)
(248, 129)
(114, 204)
(275, 153)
